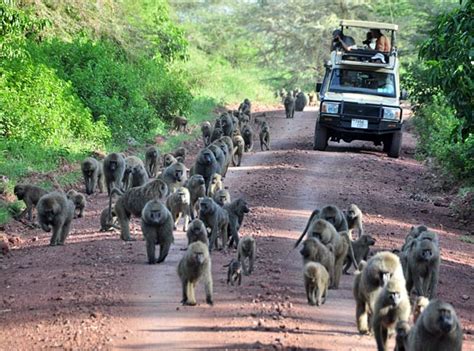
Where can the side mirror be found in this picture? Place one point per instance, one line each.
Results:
(318, 87)
(403, 94)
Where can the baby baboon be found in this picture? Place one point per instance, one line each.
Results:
(289, 103)
(437, 329)
(314, 251)
(234, 272)
(247, 249)
(222, 197)
(197, 188)
(174, 176)
(419, 306)
(168, 160)
(79, 201)
(227, 124)
(194, 266)
(236, 210)
(180, 123)
(245, 107)
(55, 210)
(215, 185)
(157, 228)
(335, 216)
(93, 173)
(373, 277)
(206, 130)
(197, 232)
(133, 201)
(152, 160)
(265, 136)
(360, 251)
(239, 146)
(105, 223)
(30, 194)
(402, 330)
(206, 165)
(114, 169)
(247, 134)
(392, 305)
(354, 219)
(220, 157)
(316, 283)
(179, 204)
(216, 218)
(217, 133)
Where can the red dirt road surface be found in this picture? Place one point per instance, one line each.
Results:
(97, 292)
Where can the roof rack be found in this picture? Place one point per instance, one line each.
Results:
(369, 25)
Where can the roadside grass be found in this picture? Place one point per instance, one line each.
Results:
(467, 239)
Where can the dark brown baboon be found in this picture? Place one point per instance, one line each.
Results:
(413, 234)
(368, 284)
(419, 306)
(316, 283)
(220, 143)
(174, 176)
(180, 123)
(138, 176)
(180, 153)
(236, 210)
(30, 194)
(216, 218)
(93, 173)
(130, 163)
(206, 165)
(402, 330)
(197, 232)
(57, 211)
(301, 101)
(239, 146)
(392, 305)
(244, 119)
(217, 133)
(354, 219)
(79, 201)
(246, 107)
(114, 169)
(247, 134)
(220, 158)
(314, 216)
(335, 216)
(157, 228)
(227, 124)
(222, 197)
(194, 266)
(133, 201)
(437, 329)
(179, 205)
(247, 249)
(197, 188)
(215, 185)
(289, 103)
(152, 161)
(264, 136)
(206, 129)
(314, 251)
(360, 251)
(107, 224)
(234, 272)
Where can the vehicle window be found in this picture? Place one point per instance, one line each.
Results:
(362, 82)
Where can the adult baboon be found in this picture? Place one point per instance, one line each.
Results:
(234, 272)
(437, 329)
(246, 107)
(130, 163)
(314, 251)
(220, 157)
(215, 185)
(316, 283)
(174, 176)
(152, 161)
(247, 134)
(180, 153)
(402, 330)
(236, 211)
(289, 104)
(354, 219)
(180, 123)
(264, 136)
(206, 165)
(222, 197)
(229, 142)
(227, 124)
(220, 143)
(216, 218)
(114, 169)
(247, 250)
(157, 228)
(360, 251)
(93, 173)
(197, 232)
(243, 120)
(301, 101)
(107, 223)
(217, 133)
(57, 211)
(30, 194)
(239, 146)
(197, 188)
(206, 129)
(138, 176)
(194, 266)
(79, 201)
(178, 204)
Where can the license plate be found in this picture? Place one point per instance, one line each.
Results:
(360, 123)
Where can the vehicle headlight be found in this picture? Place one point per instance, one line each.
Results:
(330, 107)
(391, 113)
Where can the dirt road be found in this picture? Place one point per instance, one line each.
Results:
(97, 292)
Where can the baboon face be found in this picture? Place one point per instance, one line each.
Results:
(330, 214)
(242, 206)
(445, 319)
(207, 157)
(198, 257)
(183, 195)
(425, 250)
(352, 212)
(113, 165)
(368, 240)
(154, 212)
(215, 178)
(178, 175)
(393, 298)
(207, 206)
(50, 209)
(19, 191)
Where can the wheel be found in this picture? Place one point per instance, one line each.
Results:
(393, 150)
(320, 138)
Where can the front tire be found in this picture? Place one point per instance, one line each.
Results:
(320, 138)
(395, 145)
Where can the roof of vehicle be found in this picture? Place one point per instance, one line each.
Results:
(369, 25)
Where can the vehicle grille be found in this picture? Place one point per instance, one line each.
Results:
(352, 109)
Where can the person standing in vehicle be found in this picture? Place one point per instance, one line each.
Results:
(382, 43)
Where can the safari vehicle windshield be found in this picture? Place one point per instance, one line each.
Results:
(362, 82)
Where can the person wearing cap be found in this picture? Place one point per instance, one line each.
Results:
(382, 44)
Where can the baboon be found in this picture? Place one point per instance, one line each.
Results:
(217, 133)
(360, 251)
(236, 211)
(220, 157)
(312, 99)
(289, 103)
(243, 120)
(239, 146)
(194, 266)
(222, 197)
(354, 219)
(392, 305)
(218, 123)
(227, 124)
(79, 201)
(314, 251)
(130, 163)
(93, 173)
(206, 165)
(180, 123)
(215, 185)
(178, 204)
(220, 143)
(216, 218)
(174, 176)
(180, 154)
(402, 330)
(197, 188)
(152, 160)
(264, 136)
(229, 142)
(300, 101)
(57, 211)
(157, 228)
(197, 232)
(316, 283)
(437, 329)
(234, 272)
(206, 129)
(413, 234)
(133, 201)
(30, 194)
(138, 176)
(419, 306)
(374, 275)
(107, 224)
(246, 107)
(114, 169)
(247, 249)
(168, 160)
(247, 134)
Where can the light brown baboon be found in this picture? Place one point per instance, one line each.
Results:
(437, 329)
(234, 272)
(157, 228)
(316, 283)
(264, 136)
(216, 218)
(402, 330)
(197, 232)
(105, 223)
(236, 210)
(247, 134)
(247, 249)
(178, 204)
(197, 188)
(314, 251)
(194, 266)
(114, 169)
(93, 173)
(206, 165)
(180, 123)
(354, 219)
(206, 129)
(168, 160)
(392, 305)
(174, 176)
(222, 197)
(152, 161)
(368, 284)
(215, 185)
(134, 163)
(239, 145)
(360, 251)
(133, 201)
(419, 306)
(79, 201)
(57, 211)
(30, 194)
